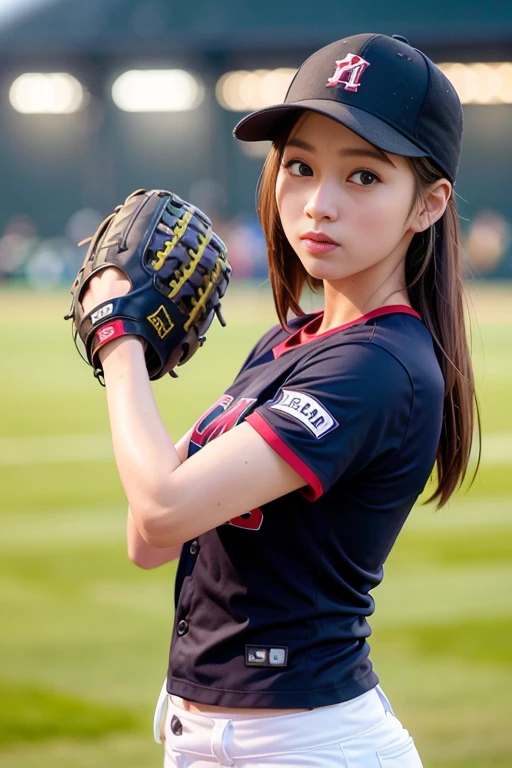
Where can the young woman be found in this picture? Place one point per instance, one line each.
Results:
(286, 497)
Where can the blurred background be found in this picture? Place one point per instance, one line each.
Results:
(103, 97)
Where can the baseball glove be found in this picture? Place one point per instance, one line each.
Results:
(178, 271)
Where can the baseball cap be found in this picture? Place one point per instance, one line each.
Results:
(380, 87)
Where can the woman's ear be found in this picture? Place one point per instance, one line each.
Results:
(431, 207)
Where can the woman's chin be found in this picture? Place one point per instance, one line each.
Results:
(320, 268)
(324, 272)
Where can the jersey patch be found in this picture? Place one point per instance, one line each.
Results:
(266, 656)
(305, 409)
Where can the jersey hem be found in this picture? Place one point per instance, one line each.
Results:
(315, 488)
(312, 699)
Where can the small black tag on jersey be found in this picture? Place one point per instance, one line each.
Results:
(266, 656)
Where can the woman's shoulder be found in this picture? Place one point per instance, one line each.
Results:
(404, 336)
(408, 340)
(385, 355)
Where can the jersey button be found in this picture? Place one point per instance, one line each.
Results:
(182, 628)
(194, 547)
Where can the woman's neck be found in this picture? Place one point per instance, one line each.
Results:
(345, 305)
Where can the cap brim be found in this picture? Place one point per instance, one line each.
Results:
(264, 125)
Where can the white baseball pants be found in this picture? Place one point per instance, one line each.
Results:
(361, 733)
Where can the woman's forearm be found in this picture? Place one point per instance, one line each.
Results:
(144, 452)
(143, 554)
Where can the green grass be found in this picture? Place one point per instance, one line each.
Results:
(85, 634)
(43, 720)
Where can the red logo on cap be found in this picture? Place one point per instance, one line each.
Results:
(348, 72)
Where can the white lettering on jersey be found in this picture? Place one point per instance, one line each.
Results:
(305, 409)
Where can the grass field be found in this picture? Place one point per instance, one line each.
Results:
(85, 633)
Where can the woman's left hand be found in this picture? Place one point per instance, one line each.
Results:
(109, 283)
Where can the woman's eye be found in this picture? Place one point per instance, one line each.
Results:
(366, 178)
(298, 168)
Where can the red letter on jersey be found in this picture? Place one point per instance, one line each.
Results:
(217, 420)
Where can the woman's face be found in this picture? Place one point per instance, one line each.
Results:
(334, 185)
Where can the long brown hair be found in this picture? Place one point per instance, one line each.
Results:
(434, 278)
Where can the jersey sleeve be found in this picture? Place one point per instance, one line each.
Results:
(345, 409)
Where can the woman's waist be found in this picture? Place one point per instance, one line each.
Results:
(191, 732)
(199, 708)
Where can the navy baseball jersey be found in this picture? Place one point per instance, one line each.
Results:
(272, 607)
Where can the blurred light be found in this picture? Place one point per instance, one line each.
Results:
(480, 83)
(487, 241)
(57, 93)
(13, 10)
(244, 91)
(157, 90)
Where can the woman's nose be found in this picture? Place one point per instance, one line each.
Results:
(321, 203)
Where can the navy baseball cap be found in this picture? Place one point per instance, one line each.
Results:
(380, 87)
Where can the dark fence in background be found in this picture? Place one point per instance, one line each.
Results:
(62, 172)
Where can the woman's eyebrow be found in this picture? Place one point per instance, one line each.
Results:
(375, 154)
(300, 144)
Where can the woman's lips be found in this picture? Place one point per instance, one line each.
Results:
(318, 246)
(318, 242)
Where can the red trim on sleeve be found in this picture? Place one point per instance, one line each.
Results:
(307, 333)
(315, 489)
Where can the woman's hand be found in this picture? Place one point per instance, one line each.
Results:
(109, 283)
